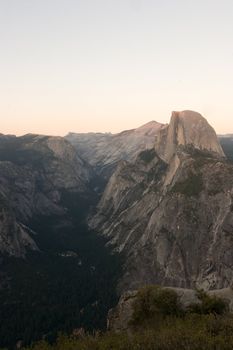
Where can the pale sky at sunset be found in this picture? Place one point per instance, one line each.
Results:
(109, 65)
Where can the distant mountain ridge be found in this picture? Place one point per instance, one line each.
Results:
(104, 150)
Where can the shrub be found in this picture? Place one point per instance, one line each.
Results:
(204, 328)
(154, 301)
(208, 305)
(148, 155)
(191, 332)
(192, 186)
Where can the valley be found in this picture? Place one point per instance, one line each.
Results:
(89, 216)
(56, 275)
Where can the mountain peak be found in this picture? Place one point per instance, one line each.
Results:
(151, 128)
(187, 114)
(149, 125)
(187, 128)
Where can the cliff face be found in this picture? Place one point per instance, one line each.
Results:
(187, 128)
(15, 238)
(35, 172)
(171, 212)
(104, 151)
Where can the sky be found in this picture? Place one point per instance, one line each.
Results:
(111, 65)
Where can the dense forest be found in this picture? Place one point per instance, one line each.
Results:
(69, 284)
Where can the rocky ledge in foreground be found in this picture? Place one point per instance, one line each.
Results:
(120, 318)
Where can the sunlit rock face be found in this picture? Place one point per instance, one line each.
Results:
(171, 211)
(187, 128)
(104, 151)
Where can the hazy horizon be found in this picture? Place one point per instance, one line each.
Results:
(108, 66)
(98, 131)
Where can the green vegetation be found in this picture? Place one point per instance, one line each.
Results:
(169, 327)
(192, 332)
(192, 186)
(148, 155)
(153, 302)
(208, 305)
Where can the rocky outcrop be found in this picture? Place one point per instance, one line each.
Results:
(120, 317)
(171, 215)
(35, 173)
(104, 151)
(15, 237)
(187, 128)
